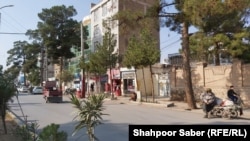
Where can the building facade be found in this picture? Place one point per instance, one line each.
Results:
(121, 80)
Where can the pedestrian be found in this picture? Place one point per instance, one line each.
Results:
(133, 96)
(92, 87)
(208, 101)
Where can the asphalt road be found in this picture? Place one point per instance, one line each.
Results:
(115, 125)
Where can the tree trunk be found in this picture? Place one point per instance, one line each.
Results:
(187, 69)
(3, 114)
(152, 82)
(137, 88)
(144, 84)
(217, 55)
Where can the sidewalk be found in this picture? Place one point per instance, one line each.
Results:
(173, 105)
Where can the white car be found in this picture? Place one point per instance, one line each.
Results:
(37, 90)
(23, 89)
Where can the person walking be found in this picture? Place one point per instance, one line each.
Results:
(208, 101)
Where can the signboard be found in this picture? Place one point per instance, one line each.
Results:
(128, 75)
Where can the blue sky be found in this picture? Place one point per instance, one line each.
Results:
(23, 16)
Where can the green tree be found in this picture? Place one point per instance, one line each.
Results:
(222, 23)
(66, 76)
(180, 22)
(105, 57)
(7, 91)
(59, 32)
(142, 52)
(23, 58)
(89, 113)
(17, 58)
(30, 66)
(33, 77)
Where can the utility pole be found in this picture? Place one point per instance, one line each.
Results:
(82, 55)
(41, 61)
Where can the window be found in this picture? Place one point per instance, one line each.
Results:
(95, 15)
(113, 6)
(96, 30)
(104, 9)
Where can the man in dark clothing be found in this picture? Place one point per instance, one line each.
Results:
(232, 95)
(92, 87)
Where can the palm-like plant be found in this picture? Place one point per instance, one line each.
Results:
(89, 113)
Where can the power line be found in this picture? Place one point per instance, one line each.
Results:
(170, 44)
(169, 39)
(15, 20)
(10, 33)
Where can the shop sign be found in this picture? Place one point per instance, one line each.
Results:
(128, 75)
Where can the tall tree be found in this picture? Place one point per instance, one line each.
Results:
(17, 58)
(108, 55)
(222, 23)
(23, 58)
(59, 32)
(67, 76)
(180, 22)
(142, 52)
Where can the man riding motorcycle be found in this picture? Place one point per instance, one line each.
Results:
(233, 96)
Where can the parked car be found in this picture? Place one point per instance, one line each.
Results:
(23, 89)
(37, 90)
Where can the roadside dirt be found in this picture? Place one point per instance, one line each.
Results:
(11, 127)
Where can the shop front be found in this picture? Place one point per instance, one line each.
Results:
(114, 83)
(128, 81)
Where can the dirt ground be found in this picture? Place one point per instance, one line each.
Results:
(11, 127)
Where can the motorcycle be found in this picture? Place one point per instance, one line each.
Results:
(227, 108)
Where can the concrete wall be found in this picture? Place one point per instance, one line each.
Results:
(218, 78)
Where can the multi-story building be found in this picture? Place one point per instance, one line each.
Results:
(102, 12)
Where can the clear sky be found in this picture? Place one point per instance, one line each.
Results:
(23, 16)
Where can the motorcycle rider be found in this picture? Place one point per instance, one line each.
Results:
(232, 95)
(208, 101)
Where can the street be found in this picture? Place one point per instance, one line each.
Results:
(115, 124)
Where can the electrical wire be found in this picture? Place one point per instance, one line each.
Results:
(168, 46)
(10, 33)
(15, 21)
